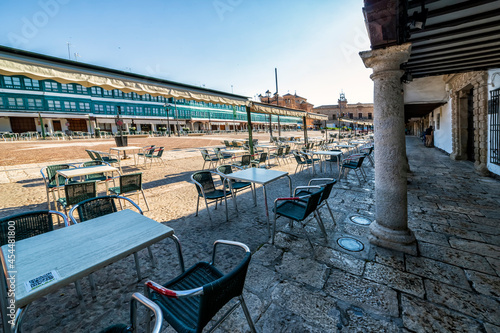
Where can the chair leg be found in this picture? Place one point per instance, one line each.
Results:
(208, 210)
(247, 314)
(197, 205)
(153, 261)
(93, 287)
(78, 288)
(137, 267)
(331, 213)
(320, 223)
(144, 196)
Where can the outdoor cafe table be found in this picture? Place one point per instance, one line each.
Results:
(262, 177)
(45, 263)
(268, 147)
(124, 150)
(84, 171)
(329, 153)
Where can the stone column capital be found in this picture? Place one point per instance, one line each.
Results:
(387, 59)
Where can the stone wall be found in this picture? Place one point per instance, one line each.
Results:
(459, 84)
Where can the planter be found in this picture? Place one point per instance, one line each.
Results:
(121, 141)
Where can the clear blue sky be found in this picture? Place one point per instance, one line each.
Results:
(211, 43)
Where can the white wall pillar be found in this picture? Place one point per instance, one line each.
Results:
(390, 229)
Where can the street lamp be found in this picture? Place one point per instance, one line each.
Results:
(168, 120)
(177, 117)
(268, 94)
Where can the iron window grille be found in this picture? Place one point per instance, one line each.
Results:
(494, 126)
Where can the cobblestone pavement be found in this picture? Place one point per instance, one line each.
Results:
(452, 286)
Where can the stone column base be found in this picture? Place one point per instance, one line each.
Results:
(399, 240)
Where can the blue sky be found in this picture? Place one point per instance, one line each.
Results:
(228, 45)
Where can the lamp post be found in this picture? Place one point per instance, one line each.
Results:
(209, 124)
(168, 120)
(177, 117)
(268, 94)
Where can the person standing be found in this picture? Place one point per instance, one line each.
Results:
(429, 137)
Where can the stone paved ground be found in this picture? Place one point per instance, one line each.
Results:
(452, 286)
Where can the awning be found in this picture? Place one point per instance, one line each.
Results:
(355, 121)
(276, 110)
(42, 67)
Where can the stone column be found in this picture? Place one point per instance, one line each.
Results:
(390, 230)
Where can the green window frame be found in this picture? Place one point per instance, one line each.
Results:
(12, 82)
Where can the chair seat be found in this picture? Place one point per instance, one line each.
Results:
(182, 313)
(62, 184)
(110, 160)
(98, 178)
(240, 185)
(216, 194)
(291, 209)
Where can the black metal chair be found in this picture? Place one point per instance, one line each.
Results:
(132, 328)
(234, 185)
(302, 162)
(221, 155)
(97, 177)
(262, 159)
(191, 300)
(327, 185)
(353, 162)
(155, 154)
(130, 184)
(49, 178)
(205, 186)
(245, 161)
(298, 209)
(212, 160)
(145, 150)
(77, 192)
(278, 155)
(368, 153)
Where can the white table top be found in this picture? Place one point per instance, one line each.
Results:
(125, 148)
(78, 250)
(266, 146)
(345, 146)
(78, 172)
(234, 151)
(327, 152)
(256, 175)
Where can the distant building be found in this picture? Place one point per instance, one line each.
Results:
(359, 111)
(290, 101)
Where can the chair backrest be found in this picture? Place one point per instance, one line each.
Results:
(131, 182)
(246, 159)
(79, 192)
(27, 225)
(327, 189)
(51, 173)
(263, 158)
(227, 144)
(95, 207)
(280, 151)
(357, 160)
(97, 155)
(221, 291)
(204, 178)
(287, 150)
(205, 154)
(298, 158)
(159, 151)
(312, 203)
(98, 206)
(91, 154)
(225, 169)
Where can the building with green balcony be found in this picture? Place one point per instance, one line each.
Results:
(26, 104)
